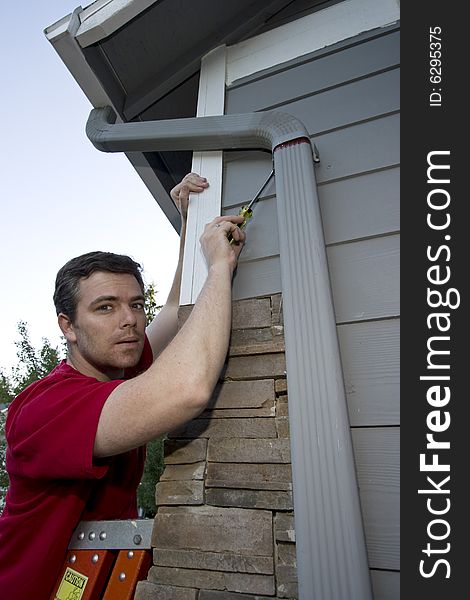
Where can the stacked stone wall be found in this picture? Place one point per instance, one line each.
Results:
(224, 528)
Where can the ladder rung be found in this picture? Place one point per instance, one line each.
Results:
(130, 534)
(130, 567)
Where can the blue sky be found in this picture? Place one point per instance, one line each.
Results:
(60, 197)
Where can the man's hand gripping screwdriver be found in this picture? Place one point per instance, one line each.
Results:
(246, 211)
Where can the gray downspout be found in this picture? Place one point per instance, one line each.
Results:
(331, 553)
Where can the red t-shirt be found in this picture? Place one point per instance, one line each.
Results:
(54, 480)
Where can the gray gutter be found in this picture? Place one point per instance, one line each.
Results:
(251, 130)
(331, 552)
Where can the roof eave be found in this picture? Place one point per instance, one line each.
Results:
(62, 36)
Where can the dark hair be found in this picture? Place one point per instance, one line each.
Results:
(68, 277)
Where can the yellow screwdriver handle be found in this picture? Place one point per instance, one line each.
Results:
(246, 213)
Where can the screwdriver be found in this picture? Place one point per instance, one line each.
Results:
(246, 211)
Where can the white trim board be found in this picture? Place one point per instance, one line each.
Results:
(205, 207)
(313, 32)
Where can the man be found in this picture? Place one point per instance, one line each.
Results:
(76, 437)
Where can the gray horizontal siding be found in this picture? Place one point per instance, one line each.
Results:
(361, 206)
(261, 231)
(351, 103)
(264, 275)
(371, 366)
(244, 174)
(356, 207)
(314, 74)
(358, 149)
(263, 241)
(364, 279)
(377, 452)
(353, 208)
(345, 153)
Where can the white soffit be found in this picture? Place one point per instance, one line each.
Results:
(104, 17)
(323, 28)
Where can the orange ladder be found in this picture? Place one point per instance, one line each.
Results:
(105, 560)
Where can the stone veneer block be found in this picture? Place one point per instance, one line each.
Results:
(256, 366)
(238, 450)
(226, 550)
(221, 428)
(268, 499)
(282, 407)
(184, 451)
(286, 555)
(286, 571)
(246, 314)
(280, 386)
(268, 410)
(211, 529)
(179, 492)
(243, 394)
(284, 530)
(216, 580)
(183, 472)
(214, 561)
(249, 476)
(254, 312)
(282, 426)
(257, 341)
(146, 590)
(276, 309)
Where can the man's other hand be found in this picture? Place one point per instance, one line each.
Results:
(192, 182)
(215, 244)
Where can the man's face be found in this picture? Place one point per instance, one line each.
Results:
(109, 329)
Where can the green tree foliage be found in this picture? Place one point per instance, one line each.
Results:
(153, 469)
(33, 364)
(6, 392)
(151, 307)
(154, 463)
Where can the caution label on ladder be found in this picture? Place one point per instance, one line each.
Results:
(72, 585)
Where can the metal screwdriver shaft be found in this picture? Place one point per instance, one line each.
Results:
(246, 211)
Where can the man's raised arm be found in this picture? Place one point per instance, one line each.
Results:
(165, 325)
(179, 384)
